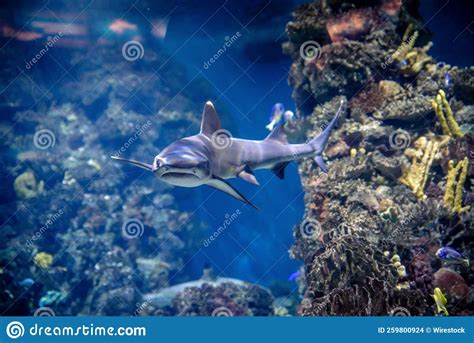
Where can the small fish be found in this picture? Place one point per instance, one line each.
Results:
(288, 116)
(452, 256)
(277, 114)
(403, 63)
(447, 79)
(440, 301)
(294, 276)
(28, 282)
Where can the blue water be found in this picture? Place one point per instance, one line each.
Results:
(246, 82)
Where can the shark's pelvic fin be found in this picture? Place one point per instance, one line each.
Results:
(279, 169)
(210, 120)
(319, 160)
(220, 184)
(278, 134)
(139, 164)
(247, 175)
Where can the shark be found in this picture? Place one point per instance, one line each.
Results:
(213, 156)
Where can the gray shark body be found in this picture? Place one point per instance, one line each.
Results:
(213, 155)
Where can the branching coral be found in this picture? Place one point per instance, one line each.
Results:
(411, 59)
(406, 46)
(448, 123)
(453, 194)
(422, 156)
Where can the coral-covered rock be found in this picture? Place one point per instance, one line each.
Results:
(227, 299)
(451, 283)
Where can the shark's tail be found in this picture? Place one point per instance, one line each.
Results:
(319, 143)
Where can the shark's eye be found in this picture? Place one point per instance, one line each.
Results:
(194, 170)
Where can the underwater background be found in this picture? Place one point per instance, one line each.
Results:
(387, 231)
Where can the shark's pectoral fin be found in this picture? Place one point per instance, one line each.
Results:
(320, 162)
(226, 187)
(139, 164)
(247, 175)
(279, 169)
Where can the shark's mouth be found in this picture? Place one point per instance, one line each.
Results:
(178, 175)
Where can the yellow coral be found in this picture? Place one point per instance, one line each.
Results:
(453, 193)
(448, 123)
(26, 186)
(406, 46)
(43, 260)
(422, 156)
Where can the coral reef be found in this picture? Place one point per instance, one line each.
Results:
(378, 216)
(113, 235)
(226, 299)
(454, 186)
(447, 121)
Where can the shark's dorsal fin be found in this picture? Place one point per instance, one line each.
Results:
(278, 134)
(210, 122)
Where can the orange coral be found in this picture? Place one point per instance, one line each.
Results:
(391, 7)
(352, 24)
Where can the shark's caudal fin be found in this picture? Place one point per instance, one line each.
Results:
(139, 164)
(210, 120)
(319, 143)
